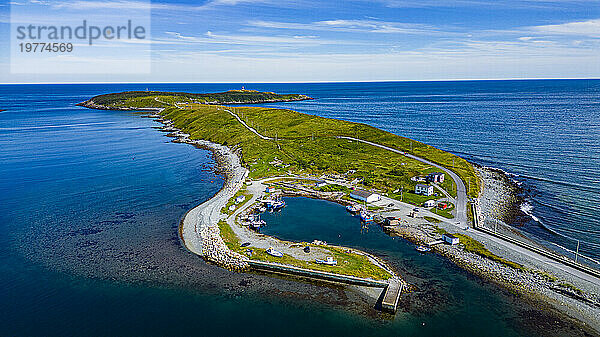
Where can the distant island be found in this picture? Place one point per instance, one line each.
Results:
(266, 153)
(132, 100)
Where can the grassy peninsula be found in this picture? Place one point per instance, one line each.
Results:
(308, 144)
(302, 143)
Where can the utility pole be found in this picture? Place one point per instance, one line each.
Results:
(577, 251)
(401, 190)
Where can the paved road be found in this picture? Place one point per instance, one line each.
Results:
(461, 190)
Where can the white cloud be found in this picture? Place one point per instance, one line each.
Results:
(372, 26)
(590, 28)
(221, 38)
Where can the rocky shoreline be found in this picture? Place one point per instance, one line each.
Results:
(501, 198)
(199, 229)
(549, 289)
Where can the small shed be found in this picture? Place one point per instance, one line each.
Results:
(240, 199)
(429, 203)
(451, 239)
(365, 196)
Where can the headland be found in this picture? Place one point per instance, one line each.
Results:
(265, 151)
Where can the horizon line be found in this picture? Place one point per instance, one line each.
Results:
(309, 82)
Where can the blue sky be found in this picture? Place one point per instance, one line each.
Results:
(306, 40)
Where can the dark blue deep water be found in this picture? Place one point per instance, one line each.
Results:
(90, 203)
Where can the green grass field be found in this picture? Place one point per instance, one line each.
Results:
(348, 263)
(299, 148)
(305, 143)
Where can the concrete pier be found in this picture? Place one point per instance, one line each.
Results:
(392, 295)
(315, 274)
(392, 289)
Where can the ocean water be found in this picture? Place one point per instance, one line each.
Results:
(90, 202)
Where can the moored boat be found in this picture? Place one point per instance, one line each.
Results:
(352, 208)
(277, 205)
(255, 222)
(366, 216)
(274, 204)
(423, 249)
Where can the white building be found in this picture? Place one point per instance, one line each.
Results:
(429, 203)
(365, 196)
(451, 239)
(424, 189)
(240, 199)
(436, 177)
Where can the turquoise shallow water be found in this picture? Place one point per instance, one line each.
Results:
(90, 202)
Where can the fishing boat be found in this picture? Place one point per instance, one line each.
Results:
(256, 222)
(307, 249)
(274, 252)
(329, 261)
(366, 216)
(274, 204)
(278, 204)
(423, 249)
(352, 208)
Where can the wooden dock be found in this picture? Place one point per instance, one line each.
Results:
(392, 295)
